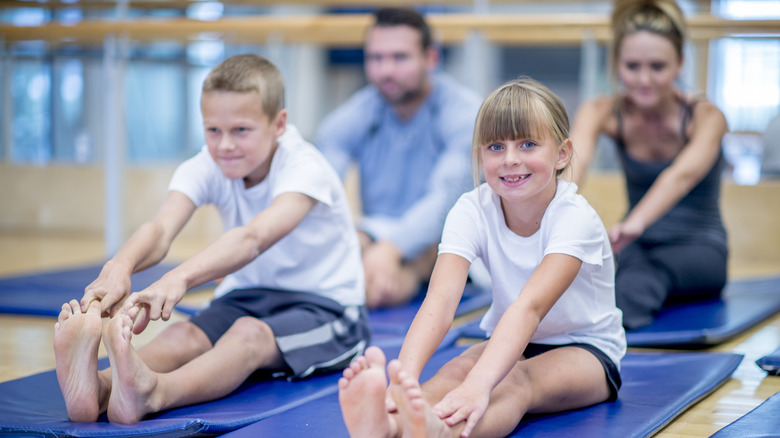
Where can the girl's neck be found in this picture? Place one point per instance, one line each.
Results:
(524, 218)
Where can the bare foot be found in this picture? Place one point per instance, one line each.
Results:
(134, 383)
(417, 417)
(362, 397)
(76, 342)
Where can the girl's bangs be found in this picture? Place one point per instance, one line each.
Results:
(510, 116)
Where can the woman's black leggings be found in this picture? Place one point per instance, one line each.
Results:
(649, 275)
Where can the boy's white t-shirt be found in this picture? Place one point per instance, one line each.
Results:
(321, 255)
(586, 312)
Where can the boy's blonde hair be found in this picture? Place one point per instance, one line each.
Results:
(661, 17)
(520, 109)
(249, 73)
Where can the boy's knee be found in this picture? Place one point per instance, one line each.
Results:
(251, 330)
(188, 336)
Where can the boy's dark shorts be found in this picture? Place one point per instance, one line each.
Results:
(315, 334)
(610, 368)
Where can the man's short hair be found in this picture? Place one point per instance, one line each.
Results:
(389, 17)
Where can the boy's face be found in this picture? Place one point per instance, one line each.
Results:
(240, 137)
(396, 63)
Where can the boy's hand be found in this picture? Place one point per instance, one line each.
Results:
(154, 302)
(464, 403)
(111, 288)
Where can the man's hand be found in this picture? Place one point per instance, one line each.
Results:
(382, 264)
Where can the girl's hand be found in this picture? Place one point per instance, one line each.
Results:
(464, 403)
(622, 234)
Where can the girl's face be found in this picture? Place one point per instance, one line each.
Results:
(648, 65)
(525, 169)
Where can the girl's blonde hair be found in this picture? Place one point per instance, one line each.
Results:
(520, 109)
(249, 73)
(661, 17)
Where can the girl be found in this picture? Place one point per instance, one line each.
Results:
(672, 244)
(556, 334)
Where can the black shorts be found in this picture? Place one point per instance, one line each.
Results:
(610, 368)
(315, 334)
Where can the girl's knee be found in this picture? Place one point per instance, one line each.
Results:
(458, 367)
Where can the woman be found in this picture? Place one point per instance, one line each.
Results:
(671, 245)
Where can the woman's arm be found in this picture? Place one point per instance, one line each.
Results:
(690, 166)
(588, 123)
(549, 281)
(436, 313)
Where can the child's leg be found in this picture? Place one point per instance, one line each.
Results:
(76, 342)
(561, 379)
(362, 397)
(138, 390)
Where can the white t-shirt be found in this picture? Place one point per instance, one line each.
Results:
(586, 312)
(321, 255)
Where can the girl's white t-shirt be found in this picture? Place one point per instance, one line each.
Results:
(586, 312)
(321, 255)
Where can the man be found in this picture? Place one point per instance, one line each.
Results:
(409, 132)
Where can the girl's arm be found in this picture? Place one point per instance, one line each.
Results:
(231, 251)
(588, 124)
(436, 313)
(686, 171)
(469, 400)
(145, 248)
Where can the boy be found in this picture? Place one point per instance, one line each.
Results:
(292, 299)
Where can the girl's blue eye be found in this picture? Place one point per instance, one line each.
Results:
(527, 144)
(495, 147)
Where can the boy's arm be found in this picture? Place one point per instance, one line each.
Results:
(547, 284)
(145, 248)
(230, 252)
(436, 313)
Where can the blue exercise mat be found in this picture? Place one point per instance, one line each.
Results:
(656, 388)
(771, 364)
(745, 303)
(761, 422)
(33, 406)
(43, 293)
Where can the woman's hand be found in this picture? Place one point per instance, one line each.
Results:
(622, 234)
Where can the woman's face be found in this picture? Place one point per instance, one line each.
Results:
(648, 64)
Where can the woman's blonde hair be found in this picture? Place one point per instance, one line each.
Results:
(661, 17)
(520, 109)
(249, 73)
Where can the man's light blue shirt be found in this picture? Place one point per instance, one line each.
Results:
(411, 171)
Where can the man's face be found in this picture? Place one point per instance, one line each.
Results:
(396, 63)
